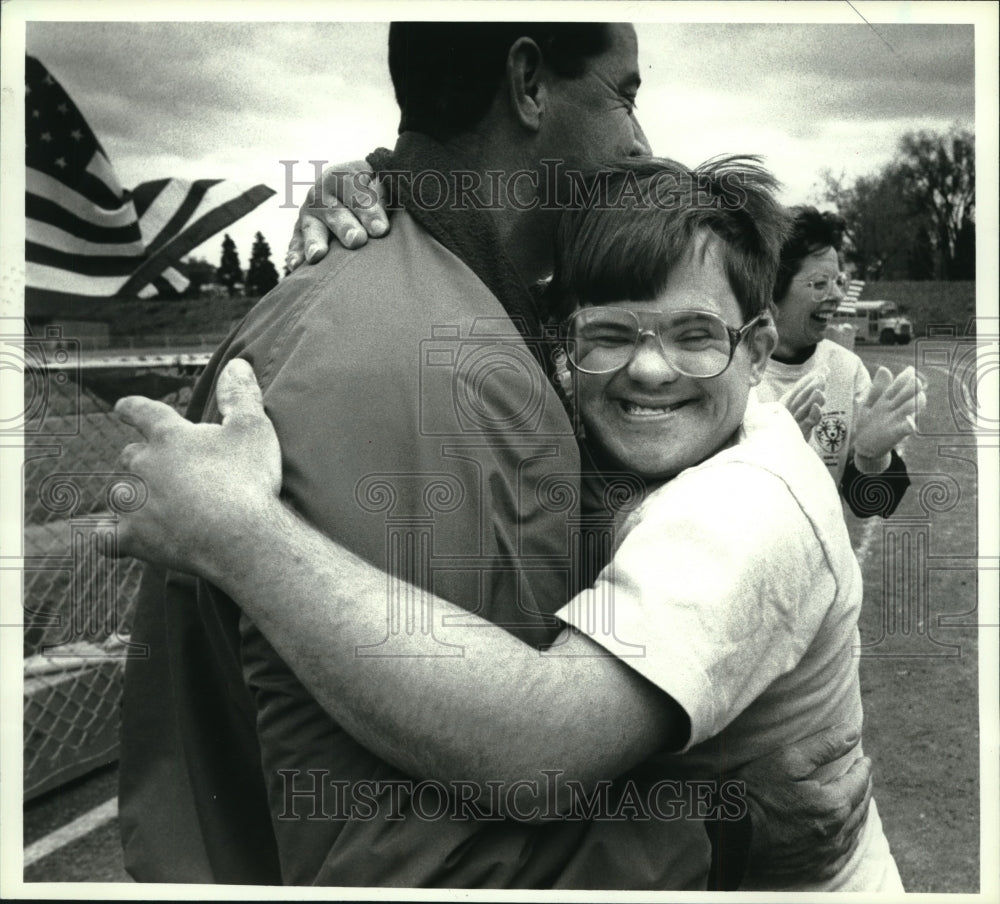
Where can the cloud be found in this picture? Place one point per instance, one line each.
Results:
(800, 69)
(807, 97)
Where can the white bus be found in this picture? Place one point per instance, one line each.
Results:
(874, 321)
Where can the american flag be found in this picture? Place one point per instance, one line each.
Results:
(86, 236)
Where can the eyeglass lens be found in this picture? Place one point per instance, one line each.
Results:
(602, 340)
(823, 286)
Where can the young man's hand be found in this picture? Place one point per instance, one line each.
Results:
(351, 206)
(205, 484)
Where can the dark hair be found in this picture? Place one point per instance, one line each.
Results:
(446, 74)
(623, 246)
(812, 231)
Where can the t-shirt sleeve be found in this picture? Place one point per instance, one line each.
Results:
(715, 591)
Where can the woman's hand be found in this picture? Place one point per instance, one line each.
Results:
(351, 206)
(887, 417)
(805, 401)
(205, 484)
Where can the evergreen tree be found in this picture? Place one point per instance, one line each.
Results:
(229, 273)
(261, 275)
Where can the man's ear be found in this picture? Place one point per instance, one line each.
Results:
(763, 341)
(526, 91)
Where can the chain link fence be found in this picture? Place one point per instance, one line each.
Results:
(77, 602)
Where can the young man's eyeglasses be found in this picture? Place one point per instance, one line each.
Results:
(823, 287)
(695, 343)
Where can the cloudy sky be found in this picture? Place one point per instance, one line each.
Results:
(233, 99)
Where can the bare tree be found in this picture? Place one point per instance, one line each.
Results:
(941, 174)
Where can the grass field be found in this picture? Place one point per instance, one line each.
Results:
(919, 674)
(919, 666)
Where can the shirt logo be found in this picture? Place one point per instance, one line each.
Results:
(831, 432)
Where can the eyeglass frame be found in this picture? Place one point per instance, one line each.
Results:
(736, 336)
(835, 281)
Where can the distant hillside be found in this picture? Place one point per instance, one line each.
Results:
(134, 323)
(187, 317)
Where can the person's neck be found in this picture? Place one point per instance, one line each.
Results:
(788, 355)
(512, 200)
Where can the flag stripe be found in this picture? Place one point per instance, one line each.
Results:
(42, 277)
(186, 213)
(93, 190)
(53, 214)
(160, 223)
(91, 264)
(216, 194)
(44, 234)
(38, 183)
(176, 279)
(161, 209)
(161, 286)
(143, 195)
(100, 168)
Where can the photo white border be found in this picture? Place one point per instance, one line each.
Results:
(15, 15)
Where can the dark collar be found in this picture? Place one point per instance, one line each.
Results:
(468, 232)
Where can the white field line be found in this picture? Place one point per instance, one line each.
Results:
(872, 527)
(82, 825)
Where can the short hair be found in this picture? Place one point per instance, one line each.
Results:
(622, 244)
(446, 74)
(812, 231)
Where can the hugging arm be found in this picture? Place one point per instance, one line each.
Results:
(430, 715)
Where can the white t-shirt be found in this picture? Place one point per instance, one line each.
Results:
(847, 385)
(734, 589)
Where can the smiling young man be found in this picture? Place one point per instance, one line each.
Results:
(676, 384)
(645, 417)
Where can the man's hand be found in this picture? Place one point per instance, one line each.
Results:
(205, 482)
(889, 413)
(351, 206)
(805, 401)
(805, 829)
